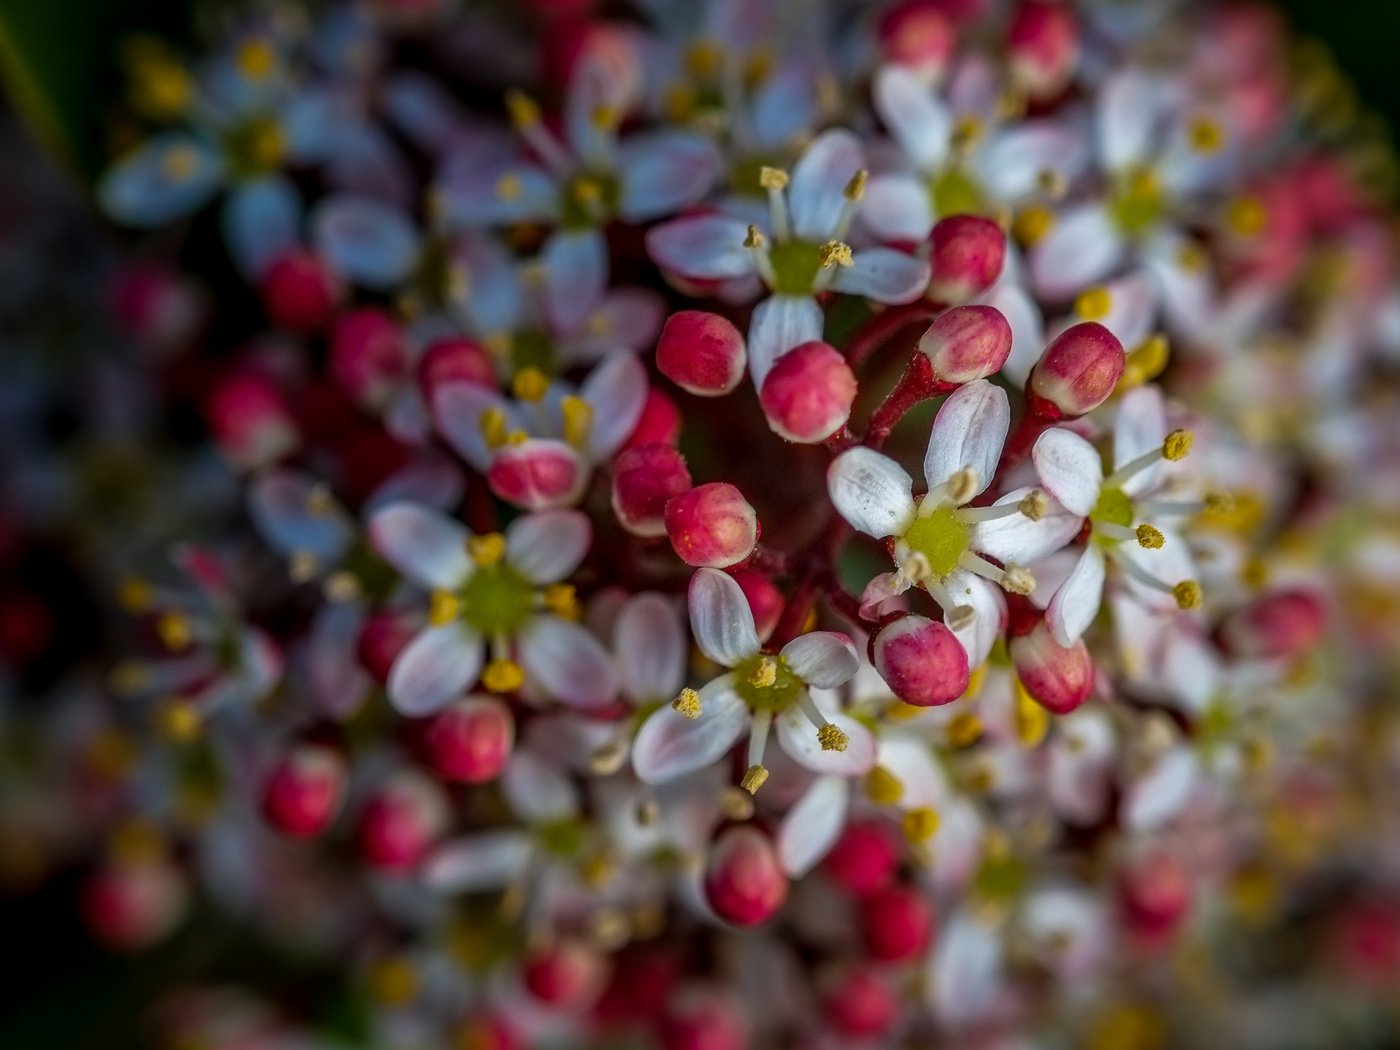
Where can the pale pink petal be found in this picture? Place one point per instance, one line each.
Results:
(882, 588)
(1157, 798)
(1139, 428)
(817, 193)
(812, 826)
(650, 647)
(1016, 538)
(669, 745)
(567, 662)
(548, 545)
(457, 409)
(917, 119)
(487, 861)
(537, 790)
(1070, 469)
(823, 659)
(426, 546)
(1076, 603)
(1083, 247)
(988, 605)
(968, 432)
(720, 618)
(706, 247)
(871, 491)
(616, 391)
(438, 666)
(885, 275)
(896, 207)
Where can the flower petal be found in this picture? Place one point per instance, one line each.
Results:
(576, 272)
(485, 861)
(1082, 247)
(366, 241)
(261, 219)
(548, 545)
(1159, 796)
(968, 432)
(650, 647)
(919, 121)
(824, 659)
(885, 275)
(720, 617)
(896, 207)
(567, 662)
(1027, 328)
(1070, 469)
(538, 790)
(435, 668)
(616, 391)
(664, 171)
(1139, 427)
(817, 194)
(281, 504)
(1077, 601)
(988, 605)
(798, 738)
(813, 824)
(169, 177)
(1013, 164)
(669, 745)
(457, 410)
(705, 247)
(871, 491)
(1016, 538)
(780, 323)
(426, 546)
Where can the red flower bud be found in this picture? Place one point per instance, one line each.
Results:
(765, 599)
(129, 905)
(807, 394)
(305, 791)
(864, 859)
(454, 360)
(898, 924)
(861, 1004)
(1285, 623)
(567, 975)
(967, 256)
(300, 291)
(401, 821)
(537, 474)
(644, 481)
(1042, 44)
(368, 357)
(1077, 372)
(921, 660)
(701, 352)
(471, 741)
(712, 525)
(250, 421)
(1057, 678)
(382, 638)
(917, 34)
(744, 882)
(702, 1021)
(1155, 892)
(660, 421)
(156, 306)
(967, 343)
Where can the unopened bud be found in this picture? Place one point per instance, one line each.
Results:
(1042, 43)
(744, 883)
(917, 34)
(1285, 623)
(565, 974)
(537, 474)
(470, 741)
(250, 421)
(401, 821)
(865, 859)
(644, 480)
(368, 356)
(967, 343)
(1058, 678)
(701, 352)
(765, 599)
(921, 660)
(808, 393)
(897, 924)
(861, 1005)
(967, 255)
(300, 291)
(1077, 372)
(452, 361)
(305, 791)
(712, 525)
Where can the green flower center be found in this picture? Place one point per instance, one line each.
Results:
(255, 146)
(562, 837)
(590, 199)
(1136, 207)
(795, 266)
(497, 599)
(954, 192)
(1113, 508)
(940, 537)
(766, 683)
(532, 349)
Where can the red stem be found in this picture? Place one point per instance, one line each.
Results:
(883, 327)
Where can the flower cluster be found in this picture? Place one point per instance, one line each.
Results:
(759, 524)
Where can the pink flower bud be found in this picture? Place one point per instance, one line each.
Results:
(1155, 892)
(1042, 44)
(897, 923)
(156, 306)
(712, 525)
(702, 1021)
(401, 821)
(300, 291)
(967, 256)
(385, 634)
(807, 395)
(921, 660)
(455, 360)
(644, 481)
(129, 905)
(305, 791)
(568, 975)
(1058, 679)
(537, 474)
(864, 859)
(1285, 623)
(967, 343)
(368, 357)
(765, 599)
(744, 882)
(1077, 372)
(861, 1004)
(917, 34)
(660, 421)
(471, 741)
(250, 421)
(701, 352)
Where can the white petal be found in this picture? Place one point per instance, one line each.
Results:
(486, 861)
(457, 410)
(261, 219)
(1171, 563)
(367, 241)
(897, 208)
(798, 738)
(1076, 603)
(969, 431)
(171, 176)
(885, 275)
(1027, 328)
(823, 659)
(1081, 765)
(537, 790)
(650, 647)
(669, 745)
(664, 171)
(435, 668)
(920, 122)
(337, 685)
(989, 613)
(706, 247)
(965, 978)
(576, 268)
(778, 324)
(1016, 538)
(1130, 107)
(1012, 164)
(1082, 248)
(1163, 793)
(548, 545)
(280, 503)
(871, 491)
(1139, 427)
(1132, 308)
(1070, 469)
(817, 193)
(882, 588)
(427, 547)
(567, 662)
(812, 826)
(616, 391)
(720, 618)
(909, 760)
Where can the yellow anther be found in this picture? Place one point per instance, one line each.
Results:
(319, 502)
(1187, 594)
(161, 89)
(772, 178)
(443, 608)
(832, 738)
(342, 586)
(1192, 257)
(755, 238)
(921, 824)
(255, 58)
(1146, 362)
(1246, 216)
(530, 384)
(737, 803)
(1032, 720)
(302, 566)
(608, 759)
(702, 58)
(175, 630)
(679, 103)
(503, 676)
(134, 594)
(1205, 135)
(1150, 537)
(597, 869)
(109, 755)
(587, 191)
(1017, 579)
(127, 678)
(975, 681)
(578, 420)
(764, 674)
(498, 344)
(605, 118)
(393, 982)
(1143, 183)
(966, 131)
(962, 486)
(1094, 304)
(1050, 182)
(855, 188)
(178, 719)
(493, 429)
(754, 778)
(1177, 444)
(179, 162)
(137, 840)
(1254, 572)
(757, 68)
(266, 144)
(562, 600)
(517, 437)
(509, 187)
(964, 730)
(1032, 224)
(835, 253)
(524, 111)
(648, 812)
(488, 550)
(1219, 503)
(882, 787)
(688, 703)
(1034, 504)
(902, 712)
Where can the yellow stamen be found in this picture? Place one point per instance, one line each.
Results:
(1187, 594)
(764, 674)
(921, 824)
(178, 163)
(517, 437)
(882, 787)
(832, 738)
(503, 676)
(524, 111)
(1094, 304)
(162, 89)
(178, 720)
(835, 253)
(1032, 224)
(578, 420)
(688, 704)
(1206, 135)
(964, 730)
(1032, 720)
(962, 486)
(608, 759)
(702, 58)
(127, 678)
(754, 778)
(597, 869)
(1192, 257)
(755, 238)
(509, 187)
(530, 384)
(175, 630)
(487, 551)
(134, 594)
(498, 344)
(975, 681)
(966, 131)
(136, 840)
(1246, 217)
(855, 189)
(1178, 444)
(393, 982)
(1146, 362)
(772, 178)
(302, 566)
(737, 803)
(443, 608)
(342, 586)
(605, 118)
(255, 58)
(1034, 504)
(587, 191)
(1016, 579)
(1219, 503)
(562, 600)
(493, 428)
(1149, 537)
(1050, 182)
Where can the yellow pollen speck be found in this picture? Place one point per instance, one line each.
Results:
(517, 437)
(1050, 182)
(688, 704)
(679, 103)
(503, 676)
(1187, 594)
(1145, 363)
(487, 551)
(443, 608)
(394, 982)
(966, 131)
(765, 674)
(921, 824)
(835, 253)
(1192, 257)
(1177, 444)
(855, 189)
(832, 738)
(127, 678)
(524, 111)
(175, 630)
(578, 420)
(179, 162)
(588, 191)
(702, 58)
(755, 238)
(134, 594)
(1219, 503)
(737, 803)
(509, 187)
(608, 759)
(1032, 720)
(1032, 224)
(605, 118)
(754, 778)
(882, 787)
(530, 384)
(902, 712)
(1094, 304)
(178, 720)
(1246, 217)
(648, 812)
(597, 869)
(772, 178)
(598, 324)
(161, 89)
(342, 586)
(1149, 537)
(964, 730)
(1034, 504)
(255, 58)
(1206, 135)
(1017, 580)
(1143, 182)
(493, 428)
(562, 600)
